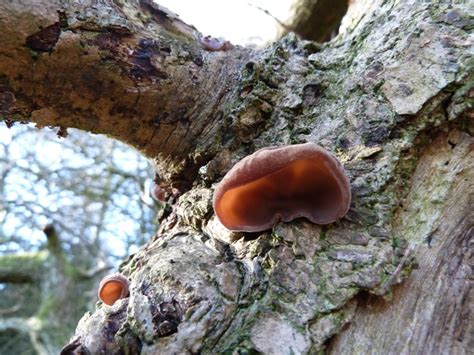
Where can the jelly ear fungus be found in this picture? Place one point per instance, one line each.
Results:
(283, 183)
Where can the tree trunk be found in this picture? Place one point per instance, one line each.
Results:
(391, 97)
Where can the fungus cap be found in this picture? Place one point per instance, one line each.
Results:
(112, 288)
(159, 193)
(283, 183)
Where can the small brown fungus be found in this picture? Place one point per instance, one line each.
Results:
(212, 44)
(283, 183)
(112, 288)
(159, 193)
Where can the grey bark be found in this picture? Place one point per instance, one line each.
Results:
(431, 312)
(391, 97)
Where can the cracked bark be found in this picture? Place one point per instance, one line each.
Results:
(389, 97)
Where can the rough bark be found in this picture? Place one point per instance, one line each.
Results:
(387, 97)
(430, 313)
(130, 70)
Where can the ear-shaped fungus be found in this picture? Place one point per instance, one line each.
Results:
(112, 288)
(283, 183)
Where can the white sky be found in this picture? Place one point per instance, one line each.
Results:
(234, 20)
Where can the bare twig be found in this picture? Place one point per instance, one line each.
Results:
(281, 23)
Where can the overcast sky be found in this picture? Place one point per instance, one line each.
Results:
(234, 20)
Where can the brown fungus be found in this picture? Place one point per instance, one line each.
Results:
(283, 183)
(214, 44)
(112, 288)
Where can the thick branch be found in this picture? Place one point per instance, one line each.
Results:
(138, 74)
(22, 268)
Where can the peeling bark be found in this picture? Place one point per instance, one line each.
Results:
(376, 97)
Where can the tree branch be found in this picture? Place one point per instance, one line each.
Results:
(22, 268)
(138, 74)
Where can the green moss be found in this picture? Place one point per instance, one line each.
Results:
(23, 259)
(323, 234)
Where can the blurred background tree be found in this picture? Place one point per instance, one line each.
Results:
(62, 202)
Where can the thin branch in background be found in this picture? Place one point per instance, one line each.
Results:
(12, 309)
(268, 13)
(80, 189)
